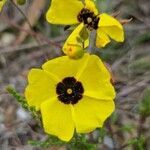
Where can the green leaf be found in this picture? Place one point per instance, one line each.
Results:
(79, 39)
(80, 142)
(84, 34)
(144, 106)
(102, 134)
(140, 65)
(114, 118)
(143, 38)
(138, 143)
(21, 2)
(127, 128)
(22, 101)
(49, 141)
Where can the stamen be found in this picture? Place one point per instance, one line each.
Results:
(89, 19)
(69, 91)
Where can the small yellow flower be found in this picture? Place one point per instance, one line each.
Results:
(71, 94)
(75, 11)
(2, 2)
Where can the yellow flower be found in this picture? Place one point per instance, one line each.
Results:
(75, 11)
(71, 94)
(2, 2)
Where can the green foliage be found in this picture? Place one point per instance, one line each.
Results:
(143, 38)
(102, 134)
(78, 142)
(138, 143)
(112, 52)
(141, 65)
(144, 107)
(21, 2)
(50, 141)
(22, 101)
(84, 34)
(127, 128)
(114, 118)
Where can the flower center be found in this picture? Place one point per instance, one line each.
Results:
(89, 19)
(69, 90)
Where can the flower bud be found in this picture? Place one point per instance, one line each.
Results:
(74, 51)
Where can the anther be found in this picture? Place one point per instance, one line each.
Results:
(89, 19)
(69, 91)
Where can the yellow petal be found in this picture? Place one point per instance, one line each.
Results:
(64, 11)
(41, 87)
(111, 27)
(89, 4)
(2, 2)
(57, 119)
(96, 79)
(101, 38)
(91, 113)
(64, 66)
(73, 40)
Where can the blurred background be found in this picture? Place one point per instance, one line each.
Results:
(27, 41)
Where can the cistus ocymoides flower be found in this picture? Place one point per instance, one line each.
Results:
(71, 95)
(68, 12)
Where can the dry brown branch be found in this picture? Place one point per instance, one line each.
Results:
(28, 31)
(131, 89)
(11, 49)
(31, 19)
